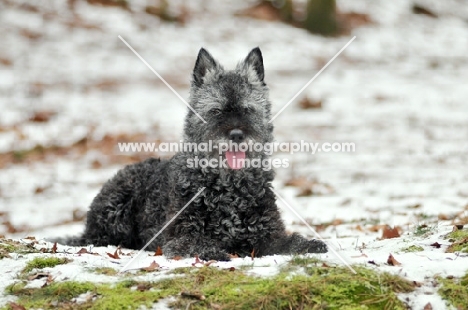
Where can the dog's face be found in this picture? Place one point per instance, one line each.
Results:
(234, 104)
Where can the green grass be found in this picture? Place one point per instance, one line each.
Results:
(8, 246)
(424, 230)
(459, 239)
(412, 248)
(44, 262)
(310, 286)
(455, 291)
(108, 271)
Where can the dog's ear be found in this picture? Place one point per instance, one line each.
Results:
(254, 61)
(205, 63)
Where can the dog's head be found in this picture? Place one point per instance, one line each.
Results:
(233, 103)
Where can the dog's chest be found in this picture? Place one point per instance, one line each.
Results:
(232, 213)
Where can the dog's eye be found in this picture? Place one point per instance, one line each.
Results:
(215, 112)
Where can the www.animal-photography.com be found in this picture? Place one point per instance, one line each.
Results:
(253, 154)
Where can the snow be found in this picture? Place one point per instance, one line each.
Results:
(398, 92)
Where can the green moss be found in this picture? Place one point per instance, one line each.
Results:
(459, 239)
(457, 235)
(316, 286)
(108, 271)
(424, 229)
(455, 291)
(8, 246)
(44, 262)
(412, 248)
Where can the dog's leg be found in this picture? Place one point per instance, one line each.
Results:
(293, 244)
(276, 241)
(191, 245)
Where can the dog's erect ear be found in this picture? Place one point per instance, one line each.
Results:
(205, 62)
(254, 60)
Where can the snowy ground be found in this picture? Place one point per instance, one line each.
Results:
(398, 92)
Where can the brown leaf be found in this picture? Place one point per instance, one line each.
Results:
(428, 306)
(152, 267)
(325, 265)
(436, 245)
(359, 228)
(158, 252)
(83, 251)
(418, 9)
(252, 254)
(389, 233)
(392, 261)
(177, 257)
(54, 248)
(231, 269)
(307, 103)
(115, 255)
(233, 256)
(41, 116)
(15, 306)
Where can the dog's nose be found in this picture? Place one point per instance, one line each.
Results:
(236, 135)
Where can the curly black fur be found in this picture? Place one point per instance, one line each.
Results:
(236, 213)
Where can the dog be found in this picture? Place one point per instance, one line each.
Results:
(235, 210)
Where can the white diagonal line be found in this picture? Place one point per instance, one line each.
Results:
(162, 79)
(311, 80)
(315, 233)
(161, 230)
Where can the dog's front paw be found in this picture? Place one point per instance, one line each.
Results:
(316, 246)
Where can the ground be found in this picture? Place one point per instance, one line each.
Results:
(70, 90)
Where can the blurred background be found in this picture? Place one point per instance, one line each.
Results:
(70, 90)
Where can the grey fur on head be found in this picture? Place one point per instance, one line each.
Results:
(235, 214)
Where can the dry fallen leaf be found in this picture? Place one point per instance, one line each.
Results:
(428, 306)
(158, 252)
(152, 267)
(54, 248)
(15, 306)
(41, 116)
(252, 254)
(233, 256)
(82, 251)
(115, 255)
(307, 103)
(436, 245)
(389, 233)
(392, 261)
(177, 257)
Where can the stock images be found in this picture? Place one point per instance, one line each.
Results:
(252, 154)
